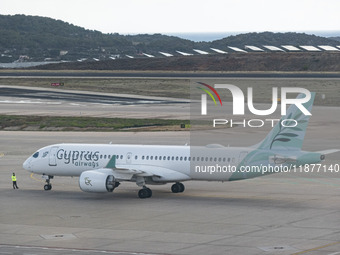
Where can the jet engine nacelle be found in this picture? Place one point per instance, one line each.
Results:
(100, 180)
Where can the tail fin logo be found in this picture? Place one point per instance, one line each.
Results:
(204, 97)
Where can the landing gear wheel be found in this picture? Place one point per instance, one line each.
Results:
(177, 187)
(182, 188)
(145, 193)
(47, 187)
(149, 192)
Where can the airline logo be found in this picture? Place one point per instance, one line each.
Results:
(88, 181)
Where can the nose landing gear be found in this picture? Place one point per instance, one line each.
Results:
(48, 185)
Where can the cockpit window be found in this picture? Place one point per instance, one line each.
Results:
(35, 155)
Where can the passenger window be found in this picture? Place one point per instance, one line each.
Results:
(176, 158)
(136, 157)
(164, 158)
(168, 157)
(147, 157)
(143, 157)
(172, 158)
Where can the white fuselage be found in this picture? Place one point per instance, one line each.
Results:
(73, 159)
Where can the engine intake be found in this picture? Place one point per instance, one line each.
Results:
(100, 180)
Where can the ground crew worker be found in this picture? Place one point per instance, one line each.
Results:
(14, 180)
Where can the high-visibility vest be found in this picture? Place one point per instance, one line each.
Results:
(14, 178)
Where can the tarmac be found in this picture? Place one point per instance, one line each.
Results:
(15, 100)
(277, 214)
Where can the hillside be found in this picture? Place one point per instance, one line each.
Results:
(276, 39)
(33, 38)
(41, 38)
(337, 38)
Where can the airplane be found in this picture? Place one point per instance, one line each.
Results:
(102, 167)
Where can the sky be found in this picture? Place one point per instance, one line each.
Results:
(185, 16)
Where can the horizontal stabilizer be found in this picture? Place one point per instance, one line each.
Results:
(328, 151)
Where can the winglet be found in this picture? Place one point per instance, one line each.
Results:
(112, 162)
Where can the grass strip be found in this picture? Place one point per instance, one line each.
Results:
(52, 123)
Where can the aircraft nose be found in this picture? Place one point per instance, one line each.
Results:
(27, 164)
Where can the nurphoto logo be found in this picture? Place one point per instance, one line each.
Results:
(238, 104)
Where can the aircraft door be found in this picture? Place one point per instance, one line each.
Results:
(53, 156)
(128, 158)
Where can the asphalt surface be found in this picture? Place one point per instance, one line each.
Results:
(27, 93)
(146, 74)
(51, 102)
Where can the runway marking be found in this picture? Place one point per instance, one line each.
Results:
(334, 253)
(33, 178)
(2, 154)
(76, 250)
(317, 248)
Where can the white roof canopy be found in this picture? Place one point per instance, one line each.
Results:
(237, 49)
(328, 48)
(219, 51)
(201, 52)
(272, 48)
(309, 48)
(184, 53)
(166, 54)
(290, 48)
(253, 48)
(148, 55)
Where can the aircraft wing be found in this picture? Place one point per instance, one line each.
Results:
(328, 151)
(161, 174)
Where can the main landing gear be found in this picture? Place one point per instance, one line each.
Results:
(48, 185)
(145, 192)
(178, 187)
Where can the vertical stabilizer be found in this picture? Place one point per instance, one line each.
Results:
(285, 135)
